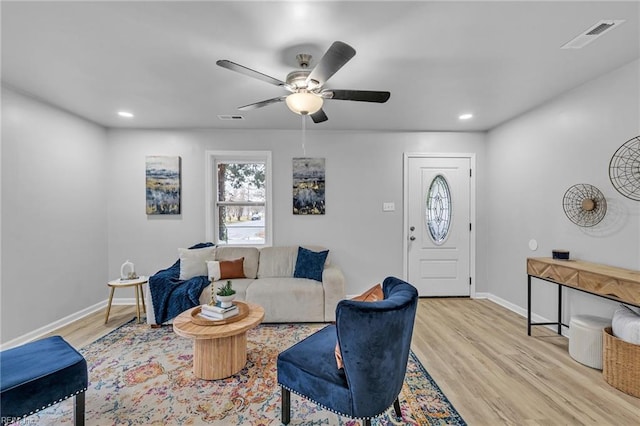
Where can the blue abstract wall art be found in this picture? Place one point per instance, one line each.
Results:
(163, 185)
(308, 186)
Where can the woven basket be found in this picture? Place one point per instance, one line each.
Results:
(621, 363)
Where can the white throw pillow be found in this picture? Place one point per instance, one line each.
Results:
(213, 267)
(193, 262)
(626, 325)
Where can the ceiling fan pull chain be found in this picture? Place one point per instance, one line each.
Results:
(304, 135)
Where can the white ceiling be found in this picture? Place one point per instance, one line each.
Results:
(438, 59)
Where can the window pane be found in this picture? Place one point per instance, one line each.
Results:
(238, 190)
(438, 211)
(241, 224)
(241, 182)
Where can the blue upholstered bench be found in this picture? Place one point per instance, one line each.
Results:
(39, 374)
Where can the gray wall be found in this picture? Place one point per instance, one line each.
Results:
(363, 170)
(532, 160)
(54, 214)
(73, 204)
(73, 198)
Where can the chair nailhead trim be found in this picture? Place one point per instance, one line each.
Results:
(51, 403)
(331, 409)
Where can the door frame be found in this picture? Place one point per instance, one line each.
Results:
(472, 211)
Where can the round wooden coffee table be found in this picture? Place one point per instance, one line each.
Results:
(219, 351)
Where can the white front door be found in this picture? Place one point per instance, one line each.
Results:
(438, 191)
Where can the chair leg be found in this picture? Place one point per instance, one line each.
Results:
(285, 413)
(78, 412)
(396, 407)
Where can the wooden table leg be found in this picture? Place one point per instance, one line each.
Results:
(106, 318)
(144, 308)
(219, 358)
(137, 303)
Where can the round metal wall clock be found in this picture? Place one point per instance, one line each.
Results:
(624, 169)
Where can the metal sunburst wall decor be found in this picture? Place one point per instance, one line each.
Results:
(584, 205)
(624, 169)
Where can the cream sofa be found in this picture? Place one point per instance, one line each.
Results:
(270, 283)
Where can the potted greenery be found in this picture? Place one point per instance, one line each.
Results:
(226, 294)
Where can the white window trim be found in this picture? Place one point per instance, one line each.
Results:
(211, 214)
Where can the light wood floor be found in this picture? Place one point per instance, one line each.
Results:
(90, 328)
(494, 374)
(480, 355)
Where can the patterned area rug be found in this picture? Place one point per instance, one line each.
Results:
(142, 376)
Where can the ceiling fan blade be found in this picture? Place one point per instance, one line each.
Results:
(262, 103)
(357, 95)
(248, 71)
(319, 116)
(338, 54)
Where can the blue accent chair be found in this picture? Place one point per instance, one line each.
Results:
(39, 374)
(375, 339)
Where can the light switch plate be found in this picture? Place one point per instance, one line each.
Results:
(388, 207)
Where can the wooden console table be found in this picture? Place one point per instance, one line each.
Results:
(622, 285)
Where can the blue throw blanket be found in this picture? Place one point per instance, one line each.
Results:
(170, 295)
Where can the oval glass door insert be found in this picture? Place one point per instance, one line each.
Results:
(438, 209)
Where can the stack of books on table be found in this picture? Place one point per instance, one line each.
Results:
(217, 312)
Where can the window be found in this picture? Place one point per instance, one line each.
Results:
(239, 198)
(438, 209)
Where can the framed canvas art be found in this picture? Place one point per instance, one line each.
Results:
(163, 184)
(308, 186)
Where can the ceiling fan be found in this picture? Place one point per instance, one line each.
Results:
(307, 85)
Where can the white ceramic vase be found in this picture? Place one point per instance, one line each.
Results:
(127, 271)
(225, 301)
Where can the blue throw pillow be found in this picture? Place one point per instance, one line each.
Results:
(310, 264)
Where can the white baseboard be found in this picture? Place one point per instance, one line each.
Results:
(523, 312)
(123, 301)
(36, 334)
(510, 306)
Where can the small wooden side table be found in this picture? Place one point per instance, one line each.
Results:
(137, 283)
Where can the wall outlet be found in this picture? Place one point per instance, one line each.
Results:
(388, 207)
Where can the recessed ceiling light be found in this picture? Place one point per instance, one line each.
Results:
(125, 114)
(465, 116)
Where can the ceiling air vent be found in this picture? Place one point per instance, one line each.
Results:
(592, 33)
(231, 117)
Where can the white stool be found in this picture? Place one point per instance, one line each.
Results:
(585, 339)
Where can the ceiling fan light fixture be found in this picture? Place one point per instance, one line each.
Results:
(304, 103)
(307, 85)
